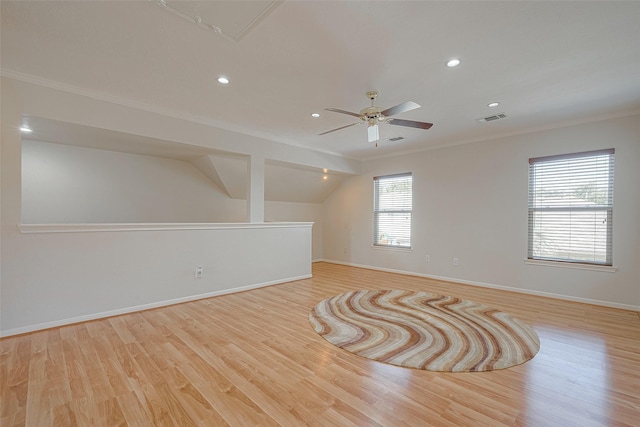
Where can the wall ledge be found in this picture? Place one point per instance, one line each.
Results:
(95, 228)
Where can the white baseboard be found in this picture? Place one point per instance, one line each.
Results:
(117, 312)
(492, 286)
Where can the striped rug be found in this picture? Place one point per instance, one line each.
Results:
(424, 331)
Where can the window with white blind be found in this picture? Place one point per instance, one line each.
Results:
(571, 207)
(393, 199)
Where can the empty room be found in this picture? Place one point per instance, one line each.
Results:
(322, 213)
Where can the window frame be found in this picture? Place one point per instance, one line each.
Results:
(377, 211)
(595, 207)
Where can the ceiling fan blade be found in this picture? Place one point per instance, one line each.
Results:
(333, 130)
(410, 123)
(372, 133)
(337, 110)
(400, 108)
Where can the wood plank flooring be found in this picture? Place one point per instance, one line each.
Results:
(252, 358)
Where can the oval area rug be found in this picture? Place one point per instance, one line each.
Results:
(424, 330)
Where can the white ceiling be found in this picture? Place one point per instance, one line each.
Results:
(547, 63)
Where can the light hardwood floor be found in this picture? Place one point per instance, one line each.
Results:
(252, 358)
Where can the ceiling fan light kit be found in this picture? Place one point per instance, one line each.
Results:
(372, 132)
(373, 115)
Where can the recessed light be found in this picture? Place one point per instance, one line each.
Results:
(25, 129)
(223, 80)
(453, 62)
(316, 115)
(325, 177)
(493, 104)
(325, 170)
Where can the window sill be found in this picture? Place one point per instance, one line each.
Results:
(574, 265)
(391, 248)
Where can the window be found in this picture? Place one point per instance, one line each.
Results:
(392, 210)
(571, 207)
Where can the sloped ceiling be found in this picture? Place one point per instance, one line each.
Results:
(48, 130)
(287, 182)
(548, 63)
(233, 174)
(205, 164)
(283, 181)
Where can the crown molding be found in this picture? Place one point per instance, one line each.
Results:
(560, 125)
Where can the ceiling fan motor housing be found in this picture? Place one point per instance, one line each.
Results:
(371, 114)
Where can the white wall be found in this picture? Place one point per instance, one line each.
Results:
(55, 278)
(68, 184)
(296, 211)
(64, 184)
(47, 279)
(470, 202)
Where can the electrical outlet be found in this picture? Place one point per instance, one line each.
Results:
(427, 258)
(456, 261)
(199, 272)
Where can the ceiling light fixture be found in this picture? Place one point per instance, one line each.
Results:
(25, 129)
(493, 104)
(325, 177)
(372, 132)
(223, 80)
(315, 115)
(453, 62)
(325, 170)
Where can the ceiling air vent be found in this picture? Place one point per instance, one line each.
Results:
(492, 118)
(397, 138)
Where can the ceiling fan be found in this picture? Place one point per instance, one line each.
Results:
(373, 115)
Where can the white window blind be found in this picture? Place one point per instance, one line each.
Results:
(393, 200)
(571, 207)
